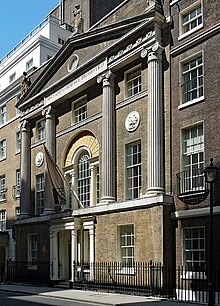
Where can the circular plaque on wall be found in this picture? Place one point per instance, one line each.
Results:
(39, 159)
(132, 121)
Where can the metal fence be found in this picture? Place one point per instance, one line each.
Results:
(149, 279)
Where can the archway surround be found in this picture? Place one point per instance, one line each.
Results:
(88, 141)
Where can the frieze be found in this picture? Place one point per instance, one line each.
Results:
(32, 108)
(130, 46)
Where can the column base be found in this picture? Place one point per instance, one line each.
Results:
(48, 211)
(106, 200)
(155, 191)
(24, 216)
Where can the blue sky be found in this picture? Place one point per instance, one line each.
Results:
(18, 18)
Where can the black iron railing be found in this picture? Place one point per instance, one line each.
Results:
(191, 186)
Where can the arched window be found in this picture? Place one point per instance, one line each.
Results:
(84, 178)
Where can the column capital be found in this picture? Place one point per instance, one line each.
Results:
(48, 112)
(24, 126)
(153, 52)
(106, 78)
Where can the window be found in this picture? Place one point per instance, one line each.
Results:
(2, 188)
(40, 182)
(192, 79)
(3, 149)
(194, 248)
(80, 110)
(126, 243)
(17, 187)
(18, 141)
(61, 41)
(41, 130)
(133, 81)
(193, 157)
(17, 212)
(3, 111)
(29, 64)
(191, 19)
(133, 152)
(32, 251)
(2, 220)
(84, 178)
(12, 77)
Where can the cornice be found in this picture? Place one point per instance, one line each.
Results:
(195, 40)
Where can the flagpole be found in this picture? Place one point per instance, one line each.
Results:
(62, 176)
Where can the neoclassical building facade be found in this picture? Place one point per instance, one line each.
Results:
(98, 108)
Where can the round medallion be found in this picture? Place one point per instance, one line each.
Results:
(39, 159)
(73, 62)
(132, 121)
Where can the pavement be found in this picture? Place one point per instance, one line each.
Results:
(93, 297)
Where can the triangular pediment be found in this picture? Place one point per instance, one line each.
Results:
(81, 53)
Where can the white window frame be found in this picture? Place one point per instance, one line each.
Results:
(40, 129)
(17, 211)
(79, 110)
(40, 193)
(3, 220)
(133, 170)
(84, 178)
(189, 248)
(190, 149)
(190, 72)
(3, 144)
(29, 64)
(12, 77)
(32, 251)
(3, 110)
(134, 81)
(17, 187)
(126, 247)
(3, 188)
(18, 141)
(187, 12)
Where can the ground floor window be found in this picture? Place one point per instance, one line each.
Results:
(126, 243)
(32, 251)
(194, 248)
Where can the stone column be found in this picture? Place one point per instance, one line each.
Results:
(54, 255)
(108, 137)
(73, 260)
(155, 160)
(92, 249)
(25, 168)
(50, 131)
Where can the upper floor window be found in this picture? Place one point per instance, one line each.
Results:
(126, 243)
(16, 188)
(40, 126)
(3, 149)
(17, 211)
(191, 19)
(18, 141)
(133, 153)
(133, 81)
(193, 156)
(3, 113)
(2, 220)
(29, 64)
(40, 183)
(12, 77)
(80, 110)
(84, 179)
(2, 188)
(192, 79)
(194, 248)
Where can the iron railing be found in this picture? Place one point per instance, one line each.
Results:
(191, 186)
(150, 279)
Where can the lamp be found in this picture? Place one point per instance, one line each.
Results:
(211, 175)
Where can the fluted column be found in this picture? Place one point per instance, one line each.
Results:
(25, 168)
(108, 137)
(50, 131)
(155, 160)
